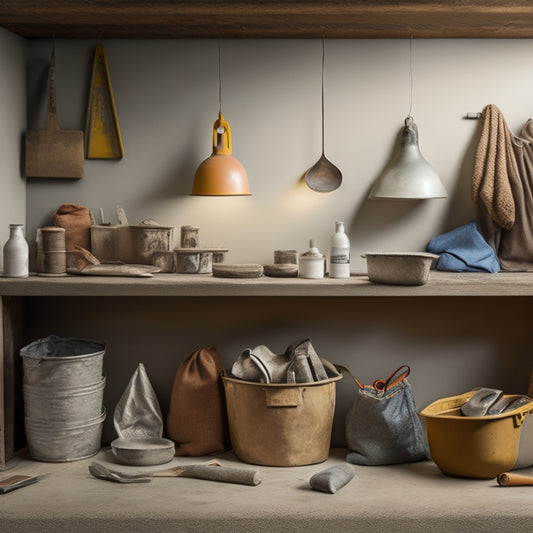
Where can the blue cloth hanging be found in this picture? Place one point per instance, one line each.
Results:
(464, 249)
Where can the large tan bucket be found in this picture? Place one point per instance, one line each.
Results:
(280, 424)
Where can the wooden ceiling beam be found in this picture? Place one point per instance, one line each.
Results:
(268, 19)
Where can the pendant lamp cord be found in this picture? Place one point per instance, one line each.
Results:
(219, 81)
(323, 59)
(411, 74)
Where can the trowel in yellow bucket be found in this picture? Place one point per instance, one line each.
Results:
(102, 132)
(52, 152)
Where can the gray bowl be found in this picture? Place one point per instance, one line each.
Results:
(399, 268)
(143, 452)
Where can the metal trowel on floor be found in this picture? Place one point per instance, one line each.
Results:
(102, 131)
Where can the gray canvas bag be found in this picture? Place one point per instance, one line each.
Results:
(382, 425)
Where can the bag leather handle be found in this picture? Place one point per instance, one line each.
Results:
(398, 375)
(340, 368)
(381, 385)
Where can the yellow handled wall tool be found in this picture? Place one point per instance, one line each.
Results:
(102, 132)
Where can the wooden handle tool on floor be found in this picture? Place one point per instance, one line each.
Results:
(212, 470)
(510, 479)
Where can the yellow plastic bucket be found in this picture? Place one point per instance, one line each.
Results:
(478, 446)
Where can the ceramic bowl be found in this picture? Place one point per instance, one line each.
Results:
(399, 268)
(143, 452)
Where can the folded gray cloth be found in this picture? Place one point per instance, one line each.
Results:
(262, 365)
(305, 366)
(298, 364)
(481, 401)
(333, 478)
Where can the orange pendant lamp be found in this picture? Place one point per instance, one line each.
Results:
(221, 174)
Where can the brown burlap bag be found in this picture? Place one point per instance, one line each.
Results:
(197, 420)
(76, 220)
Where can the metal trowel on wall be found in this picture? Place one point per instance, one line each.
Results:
(102, 131)
(52, 152)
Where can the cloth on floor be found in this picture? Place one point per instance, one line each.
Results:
(504, 162)
(464, 249)
(332, 479)
(298, 364)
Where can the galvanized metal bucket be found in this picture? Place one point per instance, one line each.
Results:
(55, 442)
(62, 362)
(68, 404)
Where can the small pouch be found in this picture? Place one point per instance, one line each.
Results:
(76, 220)
(382, 425)
(332, 479)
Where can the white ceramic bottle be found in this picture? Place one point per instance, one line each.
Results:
(16, 253)
(339, 254)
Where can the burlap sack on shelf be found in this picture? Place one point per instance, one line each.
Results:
(76, 220)
(197, 420)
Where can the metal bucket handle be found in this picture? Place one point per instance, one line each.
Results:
(284, 397)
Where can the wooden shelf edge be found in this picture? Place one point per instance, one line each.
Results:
(344, 19)
(182, 285)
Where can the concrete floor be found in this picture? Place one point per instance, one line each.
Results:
(412, 497)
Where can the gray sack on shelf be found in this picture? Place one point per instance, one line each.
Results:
(382, 424)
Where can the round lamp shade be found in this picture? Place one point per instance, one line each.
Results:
(221, 174)
(409, 175)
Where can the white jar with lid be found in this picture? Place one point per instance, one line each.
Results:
(311, 264)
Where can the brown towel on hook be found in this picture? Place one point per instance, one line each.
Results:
(502, 185)
(495, 167)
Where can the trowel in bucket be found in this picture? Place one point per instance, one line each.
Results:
(52, 152)
(102, 132)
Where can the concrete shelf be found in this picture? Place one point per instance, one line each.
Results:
(400, 498)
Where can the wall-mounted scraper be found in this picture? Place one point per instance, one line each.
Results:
(102, 132)
(53, 152)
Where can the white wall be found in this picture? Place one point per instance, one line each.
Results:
(167, 100)
(166, 93)
(12, 127)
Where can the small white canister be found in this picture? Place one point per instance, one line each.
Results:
(311, 264)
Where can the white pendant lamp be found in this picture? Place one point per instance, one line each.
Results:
(409, 175)
(221, 174)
